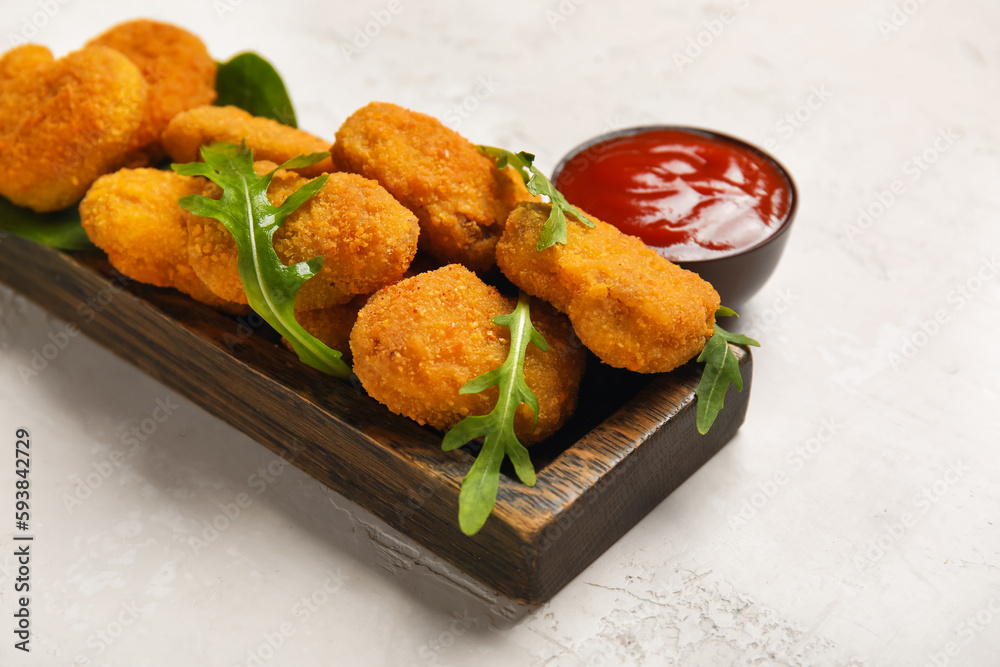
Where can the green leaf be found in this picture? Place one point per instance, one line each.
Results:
(60, 229)
(252, 84)
(482, 482)
(738, 339)
(554, 229)
(480, 487)
(301, 161)
(722, 368)
(248, 214)
(723, 311)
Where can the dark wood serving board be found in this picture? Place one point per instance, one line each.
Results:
(632, 441)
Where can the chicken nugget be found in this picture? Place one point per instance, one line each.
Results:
(629, 306)
(269, 139)
(416, 343)
(366, 238)
(18, 87)
(460, 197)
(20, 61)
(178, 71)
(133, 215)
(333, 325)
(64, 122)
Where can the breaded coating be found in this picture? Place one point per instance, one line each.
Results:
(629, 306)
(366, 237)
(417, 342)
(333, 325)
(178, 70)
(19, 90)
(20, 61)
(133, 215)
(461, 199)
(64, 122)
(269, 139)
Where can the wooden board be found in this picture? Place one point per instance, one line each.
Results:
(632, 441)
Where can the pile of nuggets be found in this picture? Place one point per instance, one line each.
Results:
(411, 221)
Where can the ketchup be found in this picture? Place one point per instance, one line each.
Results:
(687, 194)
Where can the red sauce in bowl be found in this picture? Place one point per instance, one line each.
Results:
(691, 195)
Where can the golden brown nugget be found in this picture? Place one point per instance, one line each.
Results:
(18, 87)
(416, 343)
(133, 215)
(269, 139)
(366, 237)
(629, 306)
(461, 199)
(333, 325)
(19, 61)
(64, 122)
(178, 71)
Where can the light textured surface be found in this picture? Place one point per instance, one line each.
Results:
(852, 521)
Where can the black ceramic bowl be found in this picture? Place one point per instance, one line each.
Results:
(738, 274)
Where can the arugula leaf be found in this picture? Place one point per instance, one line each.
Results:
(250, 217)
(721, 369)
(482, 482)
(59, 229)
(554, 229)
(251, 83)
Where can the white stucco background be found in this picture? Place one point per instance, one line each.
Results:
(852, 521)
